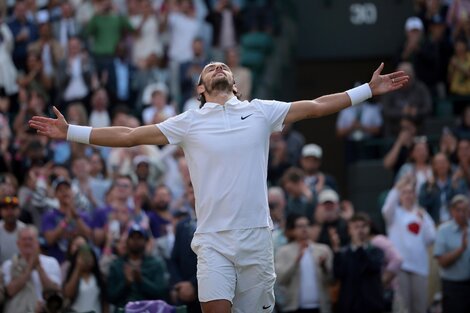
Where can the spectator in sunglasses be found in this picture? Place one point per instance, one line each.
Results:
(9, 226)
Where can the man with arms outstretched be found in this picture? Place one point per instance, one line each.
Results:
(226, 147)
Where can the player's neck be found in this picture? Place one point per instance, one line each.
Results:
(219, 97)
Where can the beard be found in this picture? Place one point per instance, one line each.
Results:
(220, 84)
(161, 206)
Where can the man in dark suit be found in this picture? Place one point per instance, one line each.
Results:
(119, 77)
(183, 261)
(358, 267)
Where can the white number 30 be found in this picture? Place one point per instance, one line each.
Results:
(363, 13)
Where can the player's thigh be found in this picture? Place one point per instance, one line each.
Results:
(255, 274)
(216, 275)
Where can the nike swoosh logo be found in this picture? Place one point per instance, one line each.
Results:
(245, 117)
(265, 307)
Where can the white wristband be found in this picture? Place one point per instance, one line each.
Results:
(359, 94)
(79, 134)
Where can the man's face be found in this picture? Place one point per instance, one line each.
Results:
(301, 230)
(74, 46)
(460, 213)
(81, 168)
(162, 198)
(232, 57)
(27, 242)
(10, 213)
(294, 188)
(330, 210)
(45, 30)
(64, 194)
(440, 164)
(20, 10)
(310, 164)
(135, 243)
(359, 231)
(216, 77)
(142, 170)
(159, 99)
(67, 10)
(124, 188)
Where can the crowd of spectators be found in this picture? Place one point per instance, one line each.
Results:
(87, 228)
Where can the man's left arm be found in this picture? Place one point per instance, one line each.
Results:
(329, 104)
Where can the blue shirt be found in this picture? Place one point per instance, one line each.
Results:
(122, 79)
(449, 238)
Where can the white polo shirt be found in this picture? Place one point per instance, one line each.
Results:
(226, 147)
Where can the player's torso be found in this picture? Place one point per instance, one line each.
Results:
(228, 130)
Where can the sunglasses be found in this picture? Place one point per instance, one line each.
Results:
(9, 201)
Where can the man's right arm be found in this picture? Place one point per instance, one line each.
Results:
(118, 136)
(17, 283)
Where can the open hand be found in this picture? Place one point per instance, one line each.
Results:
(380, 84)
(49, 127)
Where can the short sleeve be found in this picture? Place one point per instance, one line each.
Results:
(175, 128)
(440, 243)
(275, 112)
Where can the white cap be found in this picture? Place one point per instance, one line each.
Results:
(328, 195)
(150, 89)
(414, 23)
(312, 150)
(42, 16)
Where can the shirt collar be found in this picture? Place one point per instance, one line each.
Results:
(231, 101)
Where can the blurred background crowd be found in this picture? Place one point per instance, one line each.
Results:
(87, 228)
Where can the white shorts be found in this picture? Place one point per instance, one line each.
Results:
(238, 266)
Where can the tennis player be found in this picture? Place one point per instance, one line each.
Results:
(226, 144)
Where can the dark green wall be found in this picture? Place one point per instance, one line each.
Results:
(350, 28)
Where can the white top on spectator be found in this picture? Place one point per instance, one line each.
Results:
(411, 232)
(183, 30)
(8, 245)
(50, 266)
